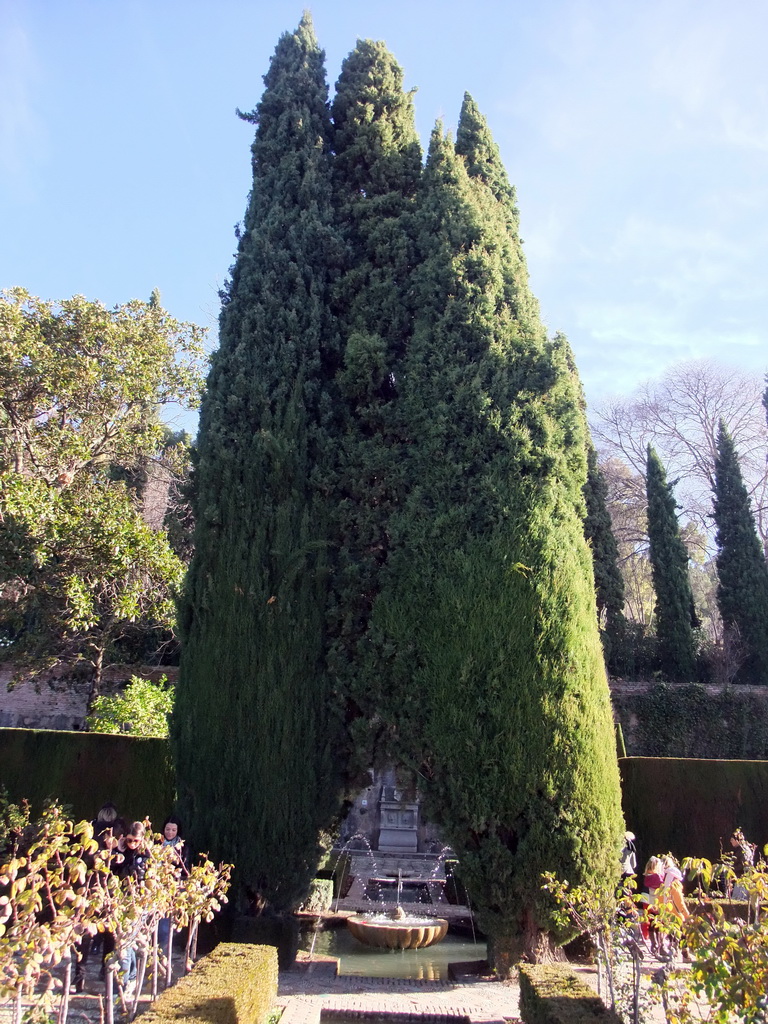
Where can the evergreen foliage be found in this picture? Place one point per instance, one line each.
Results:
(742, 590)
(487, 612)
(675, 615)
(377, 167)
(389, 501)
(256, 767)
(609, 584)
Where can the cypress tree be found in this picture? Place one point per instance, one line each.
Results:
(609, 585)
(254, 725)
(742, 590)
(377, 166)
(675, 615)
(487, 609)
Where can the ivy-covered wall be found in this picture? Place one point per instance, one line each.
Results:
(692, 720)
(690, 806)
(87, 769)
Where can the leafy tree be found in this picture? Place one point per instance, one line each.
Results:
(675, 615)
(377, 167)
(142, 709)
(80, 384)
(82, 574)
(742, 592)
(258, 762)
(487, 611)
(609, 584)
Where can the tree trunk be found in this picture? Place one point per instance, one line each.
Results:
(529, 943)
(155, 964)
(96, 679)
(64, 1005)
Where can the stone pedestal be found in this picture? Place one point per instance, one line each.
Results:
(399, 824)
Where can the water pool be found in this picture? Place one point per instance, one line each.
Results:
(428, 964)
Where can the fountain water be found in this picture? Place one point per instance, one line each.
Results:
(346, 848)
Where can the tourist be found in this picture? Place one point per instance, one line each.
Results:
(628, 856)
(108, 826)
(653, 879)
(132, 865)
(672, 897)
(172, 839)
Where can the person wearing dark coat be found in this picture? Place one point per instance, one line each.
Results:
(132, 864)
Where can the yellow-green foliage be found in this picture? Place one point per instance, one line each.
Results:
(554, 994)
(235, 984)
(691, 806)
(84, 770)
(320, 896)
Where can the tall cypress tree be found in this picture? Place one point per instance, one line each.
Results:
(488, 608)
(742, 590)
(254, 725)
(377, 166)
(675, 614)
(609, 585)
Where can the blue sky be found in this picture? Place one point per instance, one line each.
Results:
(636, 134)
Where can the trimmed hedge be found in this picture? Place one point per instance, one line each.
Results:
(235, 984)
(691, 806)
(86, 769)
(693, 721)
(554, 994)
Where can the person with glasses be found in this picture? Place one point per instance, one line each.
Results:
(131, 865)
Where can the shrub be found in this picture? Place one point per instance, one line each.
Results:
(320, 896)
(142, 709)
(235, 984)
(554, 994)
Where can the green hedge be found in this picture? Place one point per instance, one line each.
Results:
(235, 984)
(320, 896)
(691, 721)
(554, 994)
(691, 806)
(337, 867)
(274, 930)
(87, 769)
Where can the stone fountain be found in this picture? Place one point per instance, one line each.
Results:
(398, 930)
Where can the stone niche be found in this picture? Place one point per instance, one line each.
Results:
(387, 813)
(399, 822)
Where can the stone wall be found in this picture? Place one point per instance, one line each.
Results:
(657, 720)
(58, 699)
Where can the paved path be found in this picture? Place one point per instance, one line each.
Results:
(306, 992)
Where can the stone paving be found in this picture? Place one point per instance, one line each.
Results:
(305, 993)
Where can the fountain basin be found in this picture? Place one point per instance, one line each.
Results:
(406, 933)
